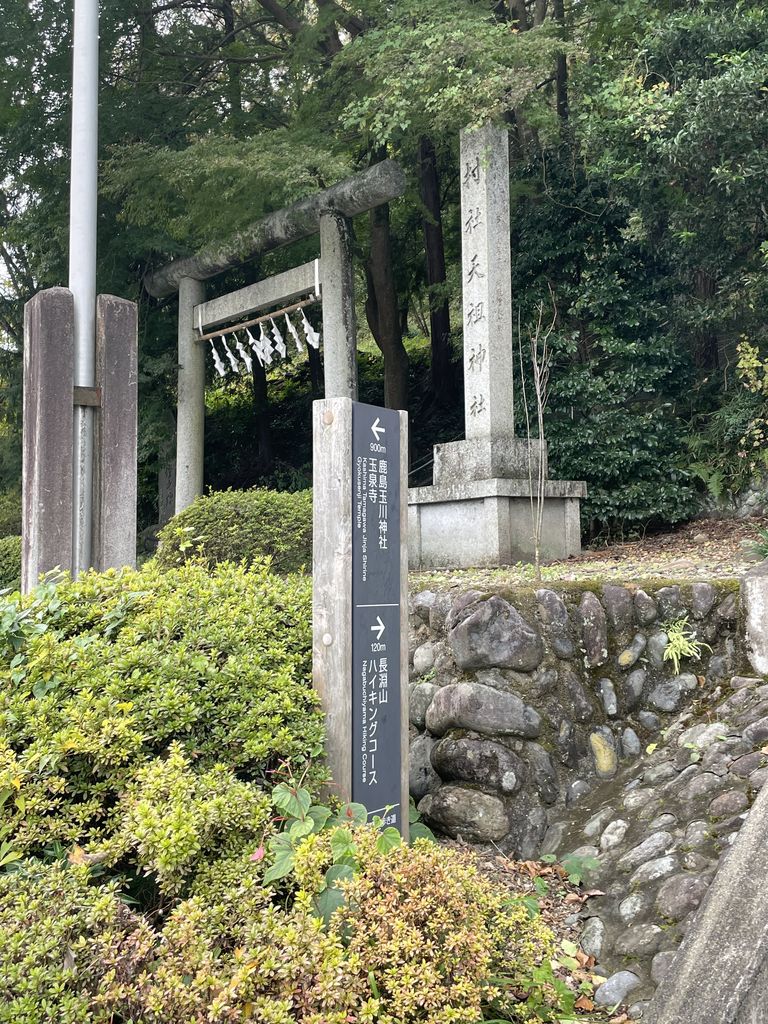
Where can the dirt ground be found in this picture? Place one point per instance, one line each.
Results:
(702, 550)
(558, 901)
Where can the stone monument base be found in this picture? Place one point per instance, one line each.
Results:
(478, 512)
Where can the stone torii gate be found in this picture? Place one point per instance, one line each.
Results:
(328, 213)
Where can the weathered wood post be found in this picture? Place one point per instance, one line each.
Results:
(190, 416)
(49, 363)
(115, 477)
(359, 601)
(50, 399)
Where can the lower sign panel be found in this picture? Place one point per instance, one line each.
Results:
(376, 768)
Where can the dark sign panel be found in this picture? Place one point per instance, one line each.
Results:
(376, 611)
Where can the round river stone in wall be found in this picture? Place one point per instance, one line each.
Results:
(618, 606)
(653, 871)
(603, 747)
(467, 812)
(669, 602)
(482, 709)
(422, 778)
(616, 988)
(592, 937)
(632, 688)
(483, 761)
(655, 845)
(581, 706)
(639, 940)
(703, 596)
(543, 772)
(613, 834)
(424, 658)
(607, 693)
(645, 608)
(657, 644)
(420, 699)
(422, 603)
(679, 895)
(594, 630)
(493, 634)
(554, 617)
(669, 693)
(630, 743)
(630, 655)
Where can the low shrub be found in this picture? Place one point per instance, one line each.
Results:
(147, 876)
(242, 525)
(56, 931)
(10, 563)
(422, 937)
(99, 678)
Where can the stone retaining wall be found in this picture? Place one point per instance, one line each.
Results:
(549, 722)
(523, 702)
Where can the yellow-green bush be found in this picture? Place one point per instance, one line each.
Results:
(56, 929)
(422, 939)
(100, 677)
(242, 525)
(10, 563)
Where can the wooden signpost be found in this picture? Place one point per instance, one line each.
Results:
(360, 577)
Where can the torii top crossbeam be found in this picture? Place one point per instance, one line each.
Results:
(379, 184)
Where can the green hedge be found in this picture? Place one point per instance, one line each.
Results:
(102, 677)
(10, 514)
(242, 525)
(10, 563)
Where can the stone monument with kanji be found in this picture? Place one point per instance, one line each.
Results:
(478, 510)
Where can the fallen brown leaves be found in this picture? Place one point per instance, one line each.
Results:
(559, 901)
(703, 550)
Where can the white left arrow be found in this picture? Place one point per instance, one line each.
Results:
(378, 629)
(377, 429)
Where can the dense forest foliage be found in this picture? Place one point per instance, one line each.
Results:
(639, 136)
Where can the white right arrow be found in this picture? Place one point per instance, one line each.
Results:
(378, 629)
(377, 429)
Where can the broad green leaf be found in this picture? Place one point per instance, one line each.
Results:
(388, 840)
(319, 816)
(299, 828)
(326, 902)
(282, 866)
(291, 800)
(352, 814)
(339, 873)
(343, 847)
(421, 831)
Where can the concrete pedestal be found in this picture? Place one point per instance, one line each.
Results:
(479, 510)
(489, 522)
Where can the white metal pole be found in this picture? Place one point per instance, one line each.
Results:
(82, 262)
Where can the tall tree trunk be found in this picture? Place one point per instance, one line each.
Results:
(439, 315)
(706, 348)
(518, 14)
(234, 89)
(264, 451)
(382, 312)
(561, 66)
